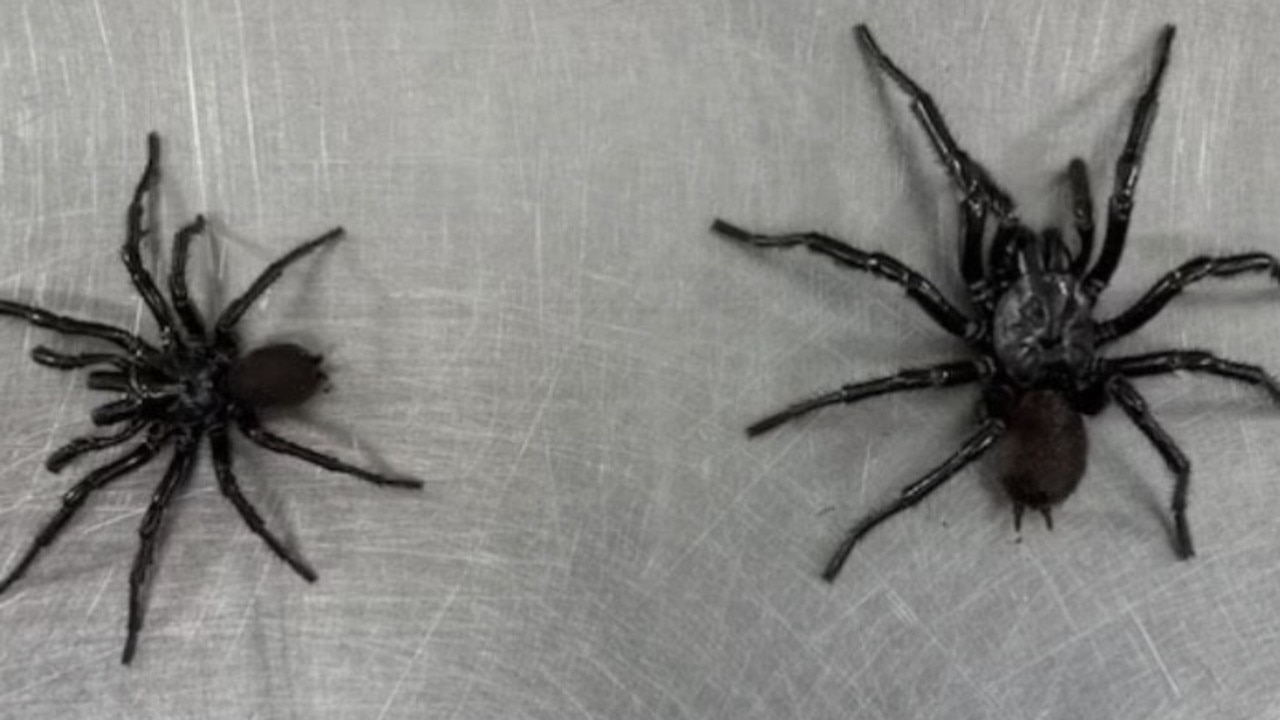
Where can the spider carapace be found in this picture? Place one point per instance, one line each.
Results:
(1029, 322)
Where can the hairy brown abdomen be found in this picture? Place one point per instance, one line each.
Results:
(1046, 452)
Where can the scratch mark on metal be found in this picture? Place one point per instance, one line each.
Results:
(193, 97)
(248, 609)
(105, 523)
(101, 590)
(866, 473)
(613, 677)
(1058, 599)
(1033, 47)
(538, 253)
(727, 510)
(325, 160)
(417, 651)
(75, 671)
(106, 43)
(31, 41)
(537, 416)
(248, 112)
(1164, 669)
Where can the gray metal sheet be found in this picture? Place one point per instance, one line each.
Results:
(531, 315)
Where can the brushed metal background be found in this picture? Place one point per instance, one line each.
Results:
(530, 314)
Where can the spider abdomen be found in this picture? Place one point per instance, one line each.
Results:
(281, 374)
(1047, 450)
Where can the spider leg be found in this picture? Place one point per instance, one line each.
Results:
(116, 411)
(221, 446)
(934, 376)
(1003, 259)
(182, 305)
(925, 294)
(1082, 214)
(121, 380)
(67, 361)
(138, 228)
(179, 472)
(240, 305)
(71, 326)
(265, 439)
(1136, 408)
(975, 446)
(1176, 281)
(1127, 168)
(979, 190)
(1158, 363)
(63, 456)
(74, 498)
(973, 181)
(973, 225)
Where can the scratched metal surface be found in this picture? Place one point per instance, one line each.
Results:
(530, 315)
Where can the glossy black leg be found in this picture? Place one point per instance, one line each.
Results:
(71, 326)
(973, 448)
(935, 376)
(138, 228)
(63, 456)
(221, 446)
(1120, 208)
(75, 498)
(1002, 265)
(1081, 215)
(110, 413)
(240, 305)
(187, 312)
(270, 441)
(974, 182)
(926, 295)
(973, 227)
(68, 361)
(1176, 281)
(184, 458)
(1159, 363)
(1136, 408)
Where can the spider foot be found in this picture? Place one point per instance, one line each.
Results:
(734, 232)
(1182, 537)
(1273, 388)
(130, 648)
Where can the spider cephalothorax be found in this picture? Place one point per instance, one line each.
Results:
(1030, 323)
(194, 383)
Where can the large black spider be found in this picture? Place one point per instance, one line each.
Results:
(195, 383)
(1031, 325)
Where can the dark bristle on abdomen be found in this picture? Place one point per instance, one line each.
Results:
(1046, 451)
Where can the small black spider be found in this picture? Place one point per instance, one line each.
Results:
(1031, 324)
(195, 383)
